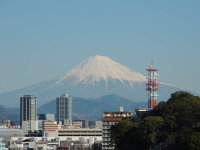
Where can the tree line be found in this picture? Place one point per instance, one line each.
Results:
(171, 125)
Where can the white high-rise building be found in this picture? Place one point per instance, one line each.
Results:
(111, 118)
(64, 109)
(28, 113)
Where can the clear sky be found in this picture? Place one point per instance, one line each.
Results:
(42, 39)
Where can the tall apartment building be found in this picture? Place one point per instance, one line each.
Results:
(28, 113)
(64, 109)
(111, 118)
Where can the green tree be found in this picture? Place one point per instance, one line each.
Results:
(119, 133)
(187, 139)
(171, 125)
(127, 134)
(151, 130)
(96, 146)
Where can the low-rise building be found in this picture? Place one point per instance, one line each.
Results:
(47, 143)
(2, 145)
(139, 112)
(81, 132)
(8, 132)
(95, 124)
(81, 123)
(5, 123)
(43, 117)
(50, 128)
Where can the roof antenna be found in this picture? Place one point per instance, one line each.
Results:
(152, 62)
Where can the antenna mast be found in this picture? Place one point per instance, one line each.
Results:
(152, 86)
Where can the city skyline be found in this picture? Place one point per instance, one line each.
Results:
(41, 40)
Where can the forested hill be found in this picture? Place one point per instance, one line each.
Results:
(171, 125)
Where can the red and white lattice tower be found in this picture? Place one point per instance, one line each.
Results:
(152, 86)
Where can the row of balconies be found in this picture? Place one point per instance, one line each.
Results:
(118, 115)
(108, 123)
(107, 147)
(106, 135)
(106, 140)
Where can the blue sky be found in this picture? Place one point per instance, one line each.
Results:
(42, 39)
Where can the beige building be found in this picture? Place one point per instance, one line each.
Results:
(50, 128)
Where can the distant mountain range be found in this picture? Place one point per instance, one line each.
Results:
(95, 77)
(9, 114)
(81, 108)
(93, 109)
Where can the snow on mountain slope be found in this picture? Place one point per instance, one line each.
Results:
(95, 77)
(100, 67)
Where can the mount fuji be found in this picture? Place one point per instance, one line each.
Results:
(95, 77)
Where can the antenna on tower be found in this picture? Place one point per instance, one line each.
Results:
(152, 63)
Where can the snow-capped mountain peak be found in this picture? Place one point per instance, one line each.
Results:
(95, 77)
(96, 68)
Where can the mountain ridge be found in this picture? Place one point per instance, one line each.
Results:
(92, 78)
(89, 109)
(93, 109)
